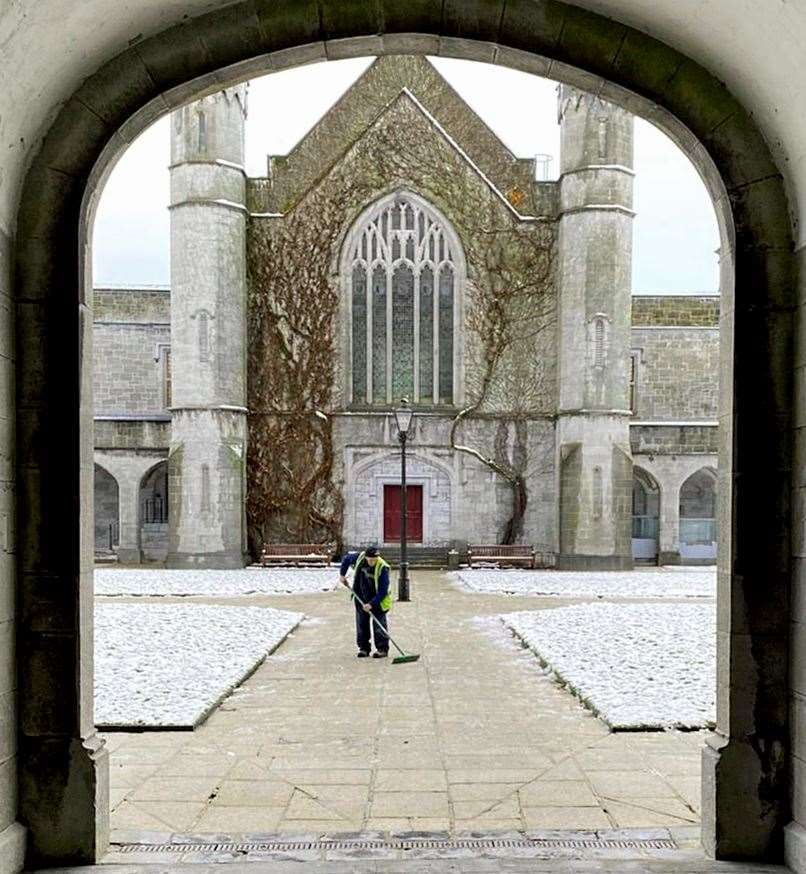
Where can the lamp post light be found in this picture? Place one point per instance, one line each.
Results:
(403, 416)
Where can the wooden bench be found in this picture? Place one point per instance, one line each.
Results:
(296, 553)
(515, 553)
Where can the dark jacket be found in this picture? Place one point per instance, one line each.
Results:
(364, 584)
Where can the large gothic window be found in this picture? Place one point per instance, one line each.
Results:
(403, 269)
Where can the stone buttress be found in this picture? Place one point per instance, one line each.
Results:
(208, 332)
(594, 280)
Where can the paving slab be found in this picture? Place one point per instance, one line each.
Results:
(473, 736)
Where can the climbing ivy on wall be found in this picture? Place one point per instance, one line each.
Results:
(511, 317)
(297, 340)
(291, 366)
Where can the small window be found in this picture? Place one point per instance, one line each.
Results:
(205, 488)
(164, 359)
(635, 358)
(598, 496)
(202, 132)
(204, 337)
(599, 343)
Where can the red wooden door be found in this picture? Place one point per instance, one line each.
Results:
(392, 499)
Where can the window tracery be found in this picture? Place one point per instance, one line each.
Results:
(403, 267)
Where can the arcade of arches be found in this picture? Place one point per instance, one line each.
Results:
(54, 772)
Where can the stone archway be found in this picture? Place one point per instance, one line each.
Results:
(646, 501)
(153, 513)
(62, 776)
(107, 512)
(698, 517)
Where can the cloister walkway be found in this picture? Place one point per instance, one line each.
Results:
(473, 737)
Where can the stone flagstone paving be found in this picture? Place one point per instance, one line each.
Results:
(471, 737)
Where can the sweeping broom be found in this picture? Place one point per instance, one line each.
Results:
(403, 658)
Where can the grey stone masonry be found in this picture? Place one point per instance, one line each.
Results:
(131, 330)
(595, 252)
(676, 309)
(677, 373)
(208, 332)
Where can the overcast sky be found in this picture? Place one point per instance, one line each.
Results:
(675, 234)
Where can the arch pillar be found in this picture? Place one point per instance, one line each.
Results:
(129, 543)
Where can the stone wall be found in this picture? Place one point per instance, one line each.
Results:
(677, 375)
(463, 500)
(674, 439)
(136, 305)
(295, 173)
(138, 434)
(675, 309)
(130, 326)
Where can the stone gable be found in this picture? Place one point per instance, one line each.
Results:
(358, 109)
(404, 150)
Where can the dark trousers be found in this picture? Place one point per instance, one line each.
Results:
(364, 625)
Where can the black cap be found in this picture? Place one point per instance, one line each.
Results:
(371, 551)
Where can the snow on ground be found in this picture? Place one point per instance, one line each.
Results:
(248, 581)
(170, 664)
(634, 665)
(588, 584)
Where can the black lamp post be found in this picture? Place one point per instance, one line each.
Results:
(403, 417)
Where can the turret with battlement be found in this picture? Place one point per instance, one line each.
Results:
(594, 276)
(208, 332)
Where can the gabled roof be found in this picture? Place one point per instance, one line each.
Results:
(385, 80)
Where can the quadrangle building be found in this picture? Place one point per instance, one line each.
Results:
(400, 250)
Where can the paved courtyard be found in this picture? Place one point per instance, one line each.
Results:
(473, 737)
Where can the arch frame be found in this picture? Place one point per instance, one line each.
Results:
(62, 762)
(650, 484)
(111, 476)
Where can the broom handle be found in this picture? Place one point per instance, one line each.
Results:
(372, 616)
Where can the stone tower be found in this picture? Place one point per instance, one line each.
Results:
(594, 276)
(208, 333)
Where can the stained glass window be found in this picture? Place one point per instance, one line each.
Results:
(427, 335)
(403, 333)
(407, 255)
(446, 335)
(359, 333)
(378, 335)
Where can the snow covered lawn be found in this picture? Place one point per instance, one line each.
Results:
(249, 581)
(170, 664)
(635, 665)
(658, 583)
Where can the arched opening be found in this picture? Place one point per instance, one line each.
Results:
(107, 513)
(645, 516)
(402, 250)
(651, 78)
(698, 520)
(153, 508)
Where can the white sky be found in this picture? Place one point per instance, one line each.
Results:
(675, 231)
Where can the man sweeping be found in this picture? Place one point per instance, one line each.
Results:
(372, 601)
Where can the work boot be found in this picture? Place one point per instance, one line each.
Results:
(362, 654)
(380, 654)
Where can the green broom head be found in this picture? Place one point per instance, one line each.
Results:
(404, 659)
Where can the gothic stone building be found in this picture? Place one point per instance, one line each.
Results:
(401, 250)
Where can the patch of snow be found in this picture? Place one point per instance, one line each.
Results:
(247, 581)
(591, 584)
(168, 665)
(637, 666)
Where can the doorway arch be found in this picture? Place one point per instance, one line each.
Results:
(62, 761)
(646, 500)
(698, 523)
(107, 512)
(153, 513)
